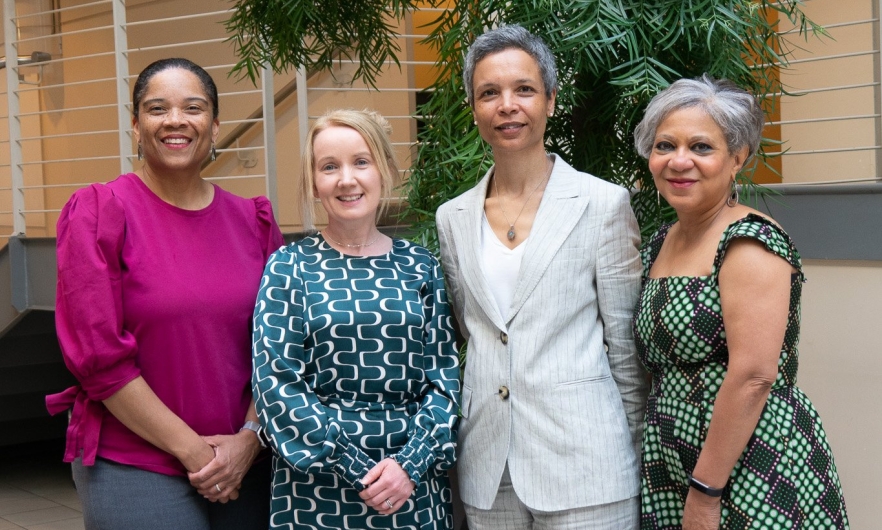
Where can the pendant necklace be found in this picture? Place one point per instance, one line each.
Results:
(511, 225)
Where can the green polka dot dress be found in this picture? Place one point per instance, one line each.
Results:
(785, 478)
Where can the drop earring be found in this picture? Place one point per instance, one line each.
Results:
(732, 201)
(140, 152)
(213, 152)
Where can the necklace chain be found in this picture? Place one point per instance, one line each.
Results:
(511, 224)
(353, 245)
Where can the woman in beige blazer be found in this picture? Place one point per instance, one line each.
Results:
(542, 267)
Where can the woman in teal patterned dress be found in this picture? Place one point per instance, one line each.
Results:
(729, 441)
(356, 373)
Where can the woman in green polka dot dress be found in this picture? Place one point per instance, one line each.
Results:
(729, 441)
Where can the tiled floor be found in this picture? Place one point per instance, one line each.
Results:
(36, 491)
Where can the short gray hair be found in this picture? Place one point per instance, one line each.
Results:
(508, 37)
(732, 108)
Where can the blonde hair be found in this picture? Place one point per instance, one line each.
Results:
(375, 131)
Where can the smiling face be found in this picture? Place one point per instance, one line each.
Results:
(511, 108)
(690, 161)
(347, 179)
(175, 126)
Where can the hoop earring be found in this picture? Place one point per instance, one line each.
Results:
(213, 152)
(732, 201)
(140, 152)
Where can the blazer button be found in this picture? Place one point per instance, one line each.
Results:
(503, 336)
(503, 393)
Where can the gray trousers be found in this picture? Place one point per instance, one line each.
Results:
(116, 496)
(509, 513)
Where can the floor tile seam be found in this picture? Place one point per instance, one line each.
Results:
(75, 517)
(65, 517)
(13, 527)
(38, 496)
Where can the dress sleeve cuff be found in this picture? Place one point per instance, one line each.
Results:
(353, 465)
(415, 458)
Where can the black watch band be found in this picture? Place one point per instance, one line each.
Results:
(704, 488)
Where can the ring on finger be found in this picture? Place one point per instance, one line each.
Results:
(217, 487)
(389, 504)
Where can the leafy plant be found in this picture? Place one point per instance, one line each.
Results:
(290, 33)
(613, 56)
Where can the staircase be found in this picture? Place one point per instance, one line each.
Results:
(30, 359)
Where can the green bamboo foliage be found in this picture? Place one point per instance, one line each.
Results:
(613, 56)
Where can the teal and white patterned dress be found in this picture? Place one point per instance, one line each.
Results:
(355, 361)
(785, 478)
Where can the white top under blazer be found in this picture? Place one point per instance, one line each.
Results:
(501, 266)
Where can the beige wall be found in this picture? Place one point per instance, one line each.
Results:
(840, 365)
(841, 342)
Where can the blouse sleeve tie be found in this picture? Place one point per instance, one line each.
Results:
(83, 426)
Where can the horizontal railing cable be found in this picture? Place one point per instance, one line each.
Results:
(831, 150)
(62, 9)
(69, 34)
(825, 119)
(68, 109)
(208, 14)
(176, 45)
(69, 84)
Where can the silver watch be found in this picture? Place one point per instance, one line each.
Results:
(258, 430)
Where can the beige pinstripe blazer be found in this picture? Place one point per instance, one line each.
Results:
(570, 428)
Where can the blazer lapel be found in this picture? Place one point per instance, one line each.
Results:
(470, 219)
(560, 210)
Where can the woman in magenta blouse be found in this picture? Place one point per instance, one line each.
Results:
(158, 271)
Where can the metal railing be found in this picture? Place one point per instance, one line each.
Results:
(69, 120)
(69, 116)
(69, 68)
(831, 121)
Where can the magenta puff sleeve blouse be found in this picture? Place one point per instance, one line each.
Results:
(146, 288)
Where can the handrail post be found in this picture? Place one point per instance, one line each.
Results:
(269, 137)
(303, 119)
(19, 222)
(123, 115)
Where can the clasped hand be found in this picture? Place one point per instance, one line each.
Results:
(387, 481)
(221, 478)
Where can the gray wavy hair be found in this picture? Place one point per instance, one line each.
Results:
(735, 111)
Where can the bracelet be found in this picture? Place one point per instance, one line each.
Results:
(704, 488)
